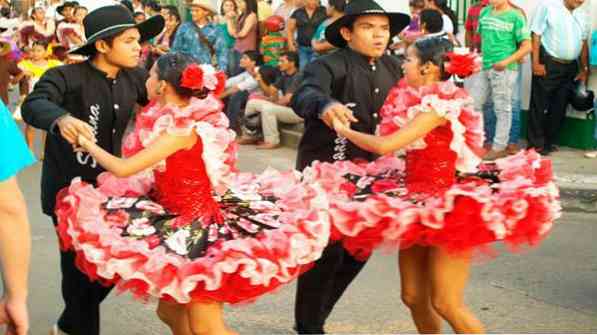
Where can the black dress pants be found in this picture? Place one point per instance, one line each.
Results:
(549, 100)
(320, 288)
(82, 298)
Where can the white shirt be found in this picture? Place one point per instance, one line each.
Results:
(448, 26)
(244, 82)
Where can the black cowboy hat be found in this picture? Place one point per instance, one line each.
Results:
(66, 4)
(111, 20)
(356, 8)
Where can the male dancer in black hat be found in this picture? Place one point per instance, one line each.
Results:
(350, 85)
(94, 99)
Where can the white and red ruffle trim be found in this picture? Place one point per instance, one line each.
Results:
(404, 103)
(203, 116)
(233, 271)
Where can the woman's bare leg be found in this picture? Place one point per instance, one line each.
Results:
(449, 276)
(175, 316)
(207, 318)
(29, 136)
(416, 291)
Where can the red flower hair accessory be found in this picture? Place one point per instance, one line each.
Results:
(463, 63)
(192, 77)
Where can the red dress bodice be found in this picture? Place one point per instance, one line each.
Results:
(432, 170)
(184, 187)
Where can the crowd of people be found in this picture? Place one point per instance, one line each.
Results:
(192, 86)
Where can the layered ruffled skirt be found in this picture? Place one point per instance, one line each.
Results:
(513, 200)
(274, 226)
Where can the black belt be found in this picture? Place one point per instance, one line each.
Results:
(562, 61)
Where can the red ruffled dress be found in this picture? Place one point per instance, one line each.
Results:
(440, 194)
(190, 228)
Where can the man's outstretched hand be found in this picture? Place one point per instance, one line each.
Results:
(337, 111)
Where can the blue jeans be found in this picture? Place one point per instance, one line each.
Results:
(489, 119)
(306, 56)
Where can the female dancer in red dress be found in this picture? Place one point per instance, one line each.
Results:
(439, 204)
(174, 221)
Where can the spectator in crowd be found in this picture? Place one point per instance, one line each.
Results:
(165, 39)
(274, 43)
(304, 21)
(560, 57)
(320, 45)
(80, 14)
(9, 71)
(432, 24)
(202, 39)
(240, 86)
(38, 28)
(449, 18)
(33, 68)
(15, 240)
(276, 108)
(505, 40)
(152, 8)
(244, 28)
(68, 31)
(139, 17)
(228, 8)
(472, 38)
(413, 31)
(285, 10)
(67, 11)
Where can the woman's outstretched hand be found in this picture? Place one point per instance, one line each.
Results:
(340, 126)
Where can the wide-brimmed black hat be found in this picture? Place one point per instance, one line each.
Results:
(66, 4)
(111, 20)
(356, 8)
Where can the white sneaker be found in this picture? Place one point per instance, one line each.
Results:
(56, 331)
(591, 154)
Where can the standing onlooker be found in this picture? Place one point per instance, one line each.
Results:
(9, 71)
(472, 38)
(410, 34)
(39, 28)
(240, 86)
(33, 68)
(505, 40)
(202, 39)
(449, 18)
(244, 29)
(285, 10)
(165, 39)
(68, 31)
(274, 43)
(335, 10)
(560, 57)
(15, 240)
(304, 21)
(431, 24)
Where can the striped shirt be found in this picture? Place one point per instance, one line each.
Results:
(562, 32)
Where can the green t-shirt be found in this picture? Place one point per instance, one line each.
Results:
(501, 34)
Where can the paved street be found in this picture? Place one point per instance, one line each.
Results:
(550, 289)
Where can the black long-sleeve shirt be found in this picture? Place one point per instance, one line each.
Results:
(350, 78)
(86, 93)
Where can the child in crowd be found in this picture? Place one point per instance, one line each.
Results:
(273, 44)
(33, 68)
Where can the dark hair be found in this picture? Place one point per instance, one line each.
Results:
(154, 6)
(292, 57)
(251, 7)
(35, 9)
(269, 74)
(40, 43)
(433, 50)
(59, 52)
(432, 20)
(222, 6)
(173, 11)
(254, 56)
(417, 4)
(443, 5)
(338, 5)
(128, 4)
(170, 68)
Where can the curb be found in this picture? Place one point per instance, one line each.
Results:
(578, 199)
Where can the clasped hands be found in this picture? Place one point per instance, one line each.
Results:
(338, 117)
(77, 132)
